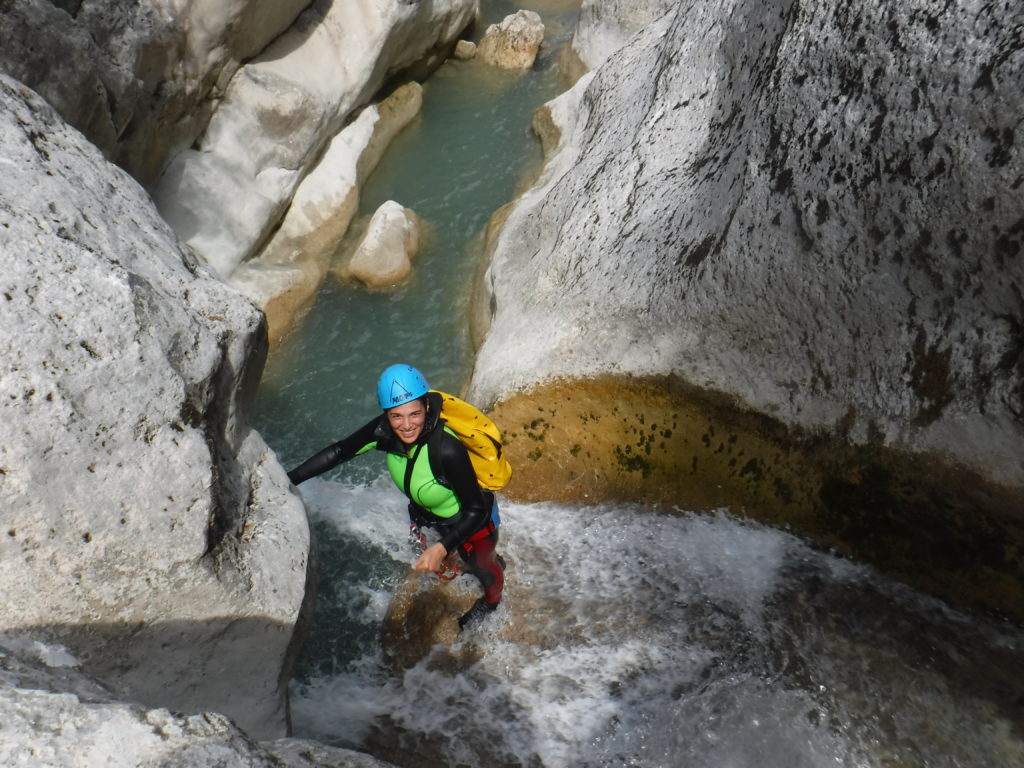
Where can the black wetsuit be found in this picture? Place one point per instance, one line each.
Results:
(471, 530)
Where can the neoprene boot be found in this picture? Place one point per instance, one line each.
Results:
(475, 614)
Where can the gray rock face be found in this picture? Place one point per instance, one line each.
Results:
(812, 207)
(138, 79)
(145, 525)
(55, 716)
(605, 26)
(383, 259)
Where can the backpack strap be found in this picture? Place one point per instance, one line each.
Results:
(434, 455)
(410, 465)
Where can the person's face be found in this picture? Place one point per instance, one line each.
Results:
(407, 420)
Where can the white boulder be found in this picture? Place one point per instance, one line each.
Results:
(514, 43)
(383, 258)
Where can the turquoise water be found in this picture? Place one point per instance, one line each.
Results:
(461, 160)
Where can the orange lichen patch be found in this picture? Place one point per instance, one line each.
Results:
(659, 441)
(650, 440)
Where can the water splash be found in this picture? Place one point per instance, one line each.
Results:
(630, 638)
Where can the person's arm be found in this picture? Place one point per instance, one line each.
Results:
(359, 441)
(460, 476)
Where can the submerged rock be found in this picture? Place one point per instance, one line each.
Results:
(514, 43)
(146, 526)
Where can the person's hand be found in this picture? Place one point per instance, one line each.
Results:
(430, 561)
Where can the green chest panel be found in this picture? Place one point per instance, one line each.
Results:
(424, 488)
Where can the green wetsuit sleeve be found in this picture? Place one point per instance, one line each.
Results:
(461, 478)
(360, 441)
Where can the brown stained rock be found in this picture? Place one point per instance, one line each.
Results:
(464, 50)
(514, 43)
(659, 441)
(646, 440)
(546, 130)
(571, 65)
(396, 111)
(424, 611)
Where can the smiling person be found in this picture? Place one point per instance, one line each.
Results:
(431, 466)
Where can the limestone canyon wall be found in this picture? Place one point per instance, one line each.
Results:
(146, 527)
(813, 207)
(140, 80)
(773, 264)
(230, 112)
(225, 196)
(151, 541)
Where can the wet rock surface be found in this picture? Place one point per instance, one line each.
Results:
(660, 441)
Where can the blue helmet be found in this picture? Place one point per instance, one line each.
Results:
(399, 384)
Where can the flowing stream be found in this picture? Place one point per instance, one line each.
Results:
(627, 637)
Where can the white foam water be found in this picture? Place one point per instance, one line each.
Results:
(633, 638)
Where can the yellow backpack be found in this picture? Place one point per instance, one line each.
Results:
(481, 438)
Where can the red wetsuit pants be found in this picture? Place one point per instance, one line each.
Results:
(478, 553)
